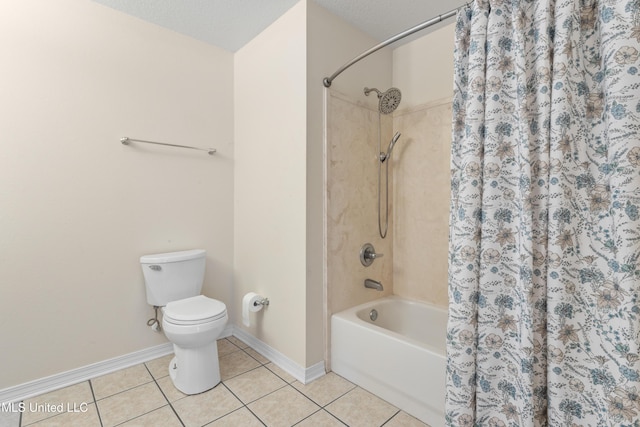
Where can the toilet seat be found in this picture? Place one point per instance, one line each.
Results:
(194, 310)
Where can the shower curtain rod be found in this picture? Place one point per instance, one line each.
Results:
(328, 80)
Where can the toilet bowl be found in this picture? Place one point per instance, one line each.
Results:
(193, 325)
(192, 322)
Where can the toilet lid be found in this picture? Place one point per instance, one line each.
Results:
(198, 308)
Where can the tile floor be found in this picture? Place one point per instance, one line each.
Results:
(253, 392)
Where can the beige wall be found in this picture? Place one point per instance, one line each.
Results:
(77, 208)
(330, 43)
(333, 42)
(423, 70)
(279, 171)
(270, 181)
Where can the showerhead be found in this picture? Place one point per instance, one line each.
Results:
(388, 101)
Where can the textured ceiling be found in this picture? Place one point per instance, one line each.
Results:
(230, 24)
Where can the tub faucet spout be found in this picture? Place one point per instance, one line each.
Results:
(372, 284)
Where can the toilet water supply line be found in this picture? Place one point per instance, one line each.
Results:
(154, 323)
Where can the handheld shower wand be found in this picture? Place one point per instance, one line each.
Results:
(388, 101)
(387, 155)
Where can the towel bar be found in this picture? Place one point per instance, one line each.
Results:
(126, 140)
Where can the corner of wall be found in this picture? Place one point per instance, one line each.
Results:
(270, 177)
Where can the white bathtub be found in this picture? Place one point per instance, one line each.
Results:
(399, 357)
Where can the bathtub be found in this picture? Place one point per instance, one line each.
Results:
(399, 357)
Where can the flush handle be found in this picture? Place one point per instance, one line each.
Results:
(155, 267)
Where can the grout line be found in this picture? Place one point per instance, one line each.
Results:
(342, 395)
(308, 416)
(142, 415)
(128, 389)
(330, 402)
(247, 353)
(234, 395)
(335, 417)
(242, 373)
(177, 416)
(95, 402)
(164, 395)
(392, 417)
(255, 400)
(271, 363)
(244, 405)
(308, 397)
(254, 414)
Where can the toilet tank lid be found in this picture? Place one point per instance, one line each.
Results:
(172, 256)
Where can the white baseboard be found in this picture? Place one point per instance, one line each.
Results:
(227, 332)
(304, 375)
(74, 376)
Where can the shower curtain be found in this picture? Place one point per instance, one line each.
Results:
(544, 273)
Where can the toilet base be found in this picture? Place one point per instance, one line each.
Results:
(195, 370)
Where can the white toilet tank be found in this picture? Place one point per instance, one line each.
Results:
(173, 276)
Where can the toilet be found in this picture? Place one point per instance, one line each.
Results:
(192, 322)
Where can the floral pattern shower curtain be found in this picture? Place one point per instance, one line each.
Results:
(544, 288)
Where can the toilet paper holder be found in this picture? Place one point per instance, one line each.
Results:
(262, 302)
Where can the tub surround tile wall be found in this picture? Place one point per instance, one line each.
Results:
(415, 261)
(423, 70)
(421, 187)
(352, 192)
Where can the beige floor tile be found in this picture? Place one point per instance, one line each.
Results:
(260, 358)
(10, 418)
(402, 419)
(254, 384)
(199, 409)
(159, 367)
(320, 418)
(164, 417)
(325, 389)
(236, 363)
(41, 407)
(79, 416)
(130, 404)
(359, 408)
(237, 342)
(170, 391)
(226, 347)
(284, 407)
(242, 417)
(116, 382)
(280, 372)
